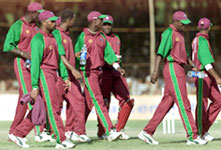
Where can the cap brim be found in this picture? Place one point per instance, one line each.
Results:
(107, 21)
(102, 16)
(187, 21)
(53, 18)
(41, 10)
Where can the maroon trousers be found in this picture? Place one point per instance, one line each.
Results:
(206, 114)
(175, 92)
(93, 95)
(24, 79)
(75, 118)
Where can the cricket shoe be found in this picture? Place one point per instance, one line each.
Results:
(197, 141)
(113, 135)
(65, 145)
(102, 137)
(22, 138)
(123, 136)
(85, 138)
(68, 134)
(79, 138)
(207, 137)
(43, 137)
(147, 138)
(18, 141)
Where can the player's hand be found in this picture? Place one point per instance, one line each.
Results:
(78, 54)
(34, 94)
(67, 85)
(26, 55)
(218, 81)
(76, 74)
(121, 70)
(154, 77)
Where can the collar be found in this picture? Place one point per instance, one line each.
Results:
(174, 28)
(203, 35)
(89, 33)
(45, 34)
(27, 23)
(62, 30)
(111, 35)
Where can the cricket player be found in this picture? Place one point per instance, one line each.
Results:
(207, 87)
(75, 120)
(172, 49)
(44, 65)
(17, 42)
(115, 83)
(98, 51)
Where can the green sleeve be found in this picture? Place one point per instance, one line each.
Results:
(56, 33)
(120, 47)
(13, 36)
(166, 43)
(204, 54)
(77, 48)
(37, 50)
(109, 55)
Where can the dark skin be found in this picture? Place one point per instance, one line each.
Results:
(47, 27)
(212, 71)
(30, 17)
(94, 26)
(154, 76)
(66, 26)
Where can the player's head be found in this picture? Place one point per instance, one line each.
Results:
(48, 20)
(180, 20)
(108, 24)
(95, 19)
(33, 11)
(68, 17)
(204, 24)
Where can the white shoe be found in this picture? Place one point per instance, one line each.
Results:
(68, 134)
(65, 145)
(43, 137)
(123, 136)
(75, 137)
(197, 141)
(147, 138)
(207, 137)
(103, 137)
(18, 141)
(113, 135)
(85, 138)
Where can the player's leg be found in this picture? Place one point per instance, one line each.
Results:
(92, 80)
(106, 86)
(50, 96)
(212, 111)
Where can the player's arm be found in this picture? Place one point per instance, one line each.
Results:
(12, 40)
(37, 49)
(206, 59)
(163, 51)
(77, 49)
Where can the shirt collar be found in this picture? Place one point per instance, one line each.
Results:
(45, 34)
(89, 33)
(174, 28)
(205, 35)
(62, 30)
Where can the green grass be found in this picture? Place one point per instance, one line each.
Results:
(167, 141)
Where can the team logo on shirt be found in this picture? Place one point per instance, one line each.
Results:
(177, 39)
(65, 41)
(27, 31)
(50, 47)
(90, 41)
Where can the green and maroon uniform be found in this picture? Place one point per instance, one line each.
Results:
(74, 97)
(98, 51)
(19, 36)
(206, 87)
(113, 82)
(44, 66)
(172, 49)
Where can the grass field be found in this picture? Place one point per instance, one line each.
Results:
(167, 141)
